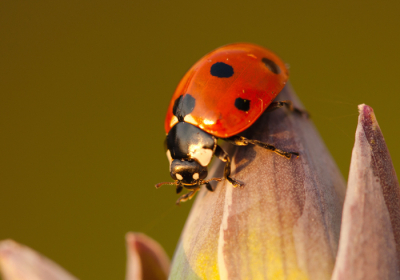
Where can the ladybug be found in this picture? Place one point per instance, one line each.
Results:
(221, 95)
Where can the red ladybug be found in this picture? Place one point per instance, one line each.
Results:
(224, 93)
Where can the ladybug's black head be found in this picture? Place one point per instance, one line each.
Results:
(188, 172)
(189, 150)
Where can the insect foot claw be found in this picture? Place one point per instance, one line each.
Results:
(235, 183)
(291, 154)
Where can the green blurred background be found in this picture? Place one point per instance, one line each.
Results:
(84, 88)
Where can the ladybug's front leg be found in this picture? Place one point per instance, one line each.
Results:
(179, 188)
(222, 155)
(289, 105)
(243, 141)
(209, 187)
(187, 196)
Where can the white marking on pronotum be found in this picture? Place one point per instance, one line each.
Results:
(202, 155)
(196, 176)
(169, 159)
(189, 119)
(169, 156)
(179, 177)
(174, 121)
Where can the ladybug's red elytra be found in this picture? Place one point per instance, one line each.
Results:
(221, 95)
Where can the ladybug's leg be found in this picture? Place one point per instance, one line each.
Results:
(243, 141)
(178, 189)
(209, 187)
(222, 155)
(289, 105)
(187, 196)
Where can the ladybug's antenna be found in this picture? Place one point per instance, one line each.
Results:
(201, 182)
(165, 183)
(213, 179)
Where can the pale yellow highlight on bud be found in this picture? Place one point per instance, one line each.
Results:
(275, 261)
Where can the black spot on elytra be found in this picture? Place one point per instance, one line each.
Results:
(271, 65)
(183, 106)
(242, 104)
(221, 70)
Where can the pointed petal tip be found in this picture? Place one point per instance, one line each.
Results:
(4, 244)
(366, 113)
(363, 107)
(130, 238)
(7, 247)
(371, 209)
(20, 262)
(146, 258)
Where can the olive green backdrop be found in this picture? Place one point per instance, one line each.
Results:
(84, 88)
